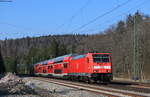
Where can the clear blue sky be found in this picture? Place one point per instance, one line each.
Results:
(22, 18)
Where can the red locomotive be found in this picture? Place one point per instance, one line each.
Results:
(91, 67)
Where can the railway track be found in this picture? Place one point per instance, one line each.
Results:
(132, 86)
(110, 90)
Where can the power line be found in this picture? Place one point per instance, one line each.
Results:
(141, 4)
(15, 26)
(100, 16)
(5, 0)
(136, 67)
(22, 28)
(74, 15)
(81, 9)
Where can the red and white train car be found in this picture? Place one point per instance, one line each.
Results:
(91, 67)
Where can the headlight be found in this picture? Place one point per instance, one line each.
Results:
(107, 67)
(97, 67)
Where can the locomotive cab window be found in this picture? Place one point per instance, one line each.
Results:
(100, 58)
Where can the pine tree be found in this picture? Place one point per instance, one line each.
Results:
(15, 65)
(121, 29)
(72, 49)
(2, 67)
(62, 49)
(54, 50)
(32, 57)
(9, 64)
(130, 23)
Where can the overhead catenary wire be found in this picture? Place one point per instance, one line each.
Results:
(136, 67)
(100, 16)
(5, 0)
(74, 15)
(70, 18)
(30, 29)
(22, 28)
(13, 25)
(112, 19)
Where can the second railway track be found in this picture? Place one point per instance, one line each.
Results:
(108, 90)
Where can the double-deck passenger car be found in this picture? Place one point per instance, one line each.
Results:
(90, 67)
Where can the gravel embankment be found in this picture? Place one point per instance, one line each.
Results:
(62, 91)
(14, 86)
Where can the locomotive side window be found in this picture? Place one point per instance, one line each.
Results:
(100, 58)
(65, 65)
(88, 60)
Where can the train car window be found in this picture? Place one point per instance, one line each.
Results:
(50, 67)
(57, 71)
(100, 58)
(65, 65)
(36, 71)
(39, 68)
(78, 57)
(58, 61)
(44, 71)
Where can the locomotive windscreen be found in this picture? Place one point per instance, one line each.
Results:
(100, 58)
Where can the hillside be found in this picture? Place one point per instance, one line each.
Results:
(118, 40)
